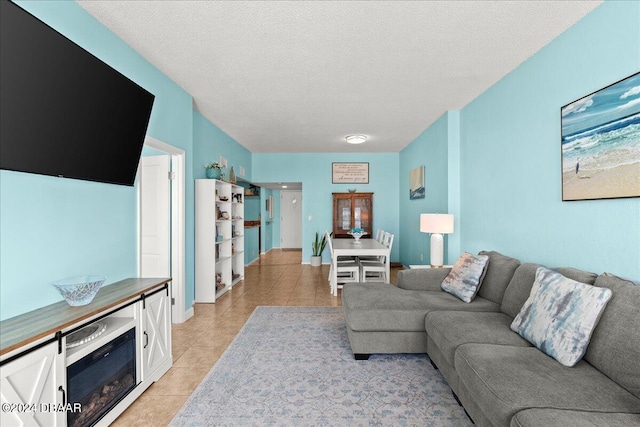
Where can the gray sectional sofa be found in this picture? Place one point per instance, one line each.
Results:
(499, 377)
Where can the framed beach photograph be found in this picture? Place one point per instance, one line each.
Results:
(601, 143)
(416, 183)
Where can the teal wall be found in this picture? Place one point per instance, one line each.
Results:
(251, 245)
(452, 240)
(52, 228)
(275, 222)
(210, 142)
(150, 152)
(266, 222)
(251, 239)
(428, 150)
(251, 208)
(510, 182)
(502, 159)
(314, 171)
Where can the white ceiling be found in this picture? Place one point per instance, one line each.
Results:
(298, 76)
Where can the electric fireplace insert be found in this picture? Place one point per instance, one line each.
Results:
(101, 379)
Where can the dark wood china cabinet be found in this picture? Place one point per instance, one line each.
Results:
(352, 210)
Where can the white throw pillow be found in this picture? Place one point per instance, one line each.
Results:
(560, 315)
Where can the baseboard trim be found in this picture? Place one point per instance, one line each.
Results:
(189, 314)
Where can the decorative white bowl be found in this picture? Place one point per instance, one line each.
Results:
(79, 290)
(357, 236)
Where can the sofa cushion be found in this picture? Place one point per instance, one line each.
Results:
(519, 289)
(465, 278)
(498, 275)
(615, 344)
(447, 369)
(451, 329)
(560, 315)
(577, 275)
(566, 418)
(375, 306)
(422, 279)
(504, 380)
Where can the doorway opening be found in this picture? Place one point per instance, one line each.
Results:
(291, 219)
(280, 230)
(161, 215)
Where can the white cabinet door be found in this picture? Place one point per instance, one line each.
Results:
(31, 387)
(156, 335)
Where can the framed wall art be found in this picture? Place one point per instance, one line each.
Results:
(416, 183)
(268, 206)
(601, 143)
(349, 173)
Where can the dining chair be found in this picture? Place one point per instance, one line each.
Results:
(346, 271)
(341, 258)
(379, 237)
(378, 268)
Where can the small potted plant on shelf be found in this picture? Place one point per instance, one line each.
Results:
(318, 246)
(213, 170)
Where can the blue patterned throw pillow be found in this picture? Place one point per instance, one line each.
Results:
(560, 315)
(465, 278)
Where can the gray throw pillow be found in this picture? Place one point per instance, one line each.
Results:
(465, 278)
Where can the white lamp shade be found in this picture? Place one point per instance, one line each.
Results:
(436, 223)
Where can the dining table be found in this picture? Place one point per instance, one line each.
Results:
(355, 248)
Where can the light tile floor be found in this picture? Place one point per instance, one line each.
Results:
(277, 278)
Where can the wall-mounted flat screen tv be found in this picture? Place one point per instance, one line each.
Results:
(63, 111)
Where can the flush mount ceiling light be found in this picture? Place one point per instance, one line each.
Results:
(356, 139)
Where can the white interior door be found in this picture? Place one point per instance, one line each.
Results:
(291, 219)
(155, 217)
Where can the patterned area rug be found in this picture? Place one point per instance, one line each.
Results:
(293, 366)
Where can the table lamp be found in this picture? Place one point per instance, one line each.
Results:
(437, 225)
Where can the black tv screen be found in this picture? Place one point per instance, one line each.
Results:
(63, 111)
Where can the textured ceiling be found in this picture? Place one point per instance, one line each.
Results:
(299, 76)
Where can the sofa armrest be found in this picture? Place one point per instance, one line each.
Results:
(422, 279)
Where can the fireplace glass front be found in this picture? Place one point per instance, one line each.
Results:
(101, 379)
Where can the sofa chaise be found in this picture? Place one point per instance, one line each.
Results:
(499, 377)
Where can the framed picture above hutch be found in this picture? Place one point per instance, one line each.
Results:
(349, 173)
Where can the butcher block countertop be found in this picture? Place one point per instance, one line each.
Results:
(44, 322)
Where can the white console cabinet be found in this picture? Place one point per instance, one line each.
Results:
(29, 385)
(38, 369)
(156, 336)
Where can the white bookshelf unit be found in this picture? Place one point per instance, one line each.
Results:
(219, 238)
